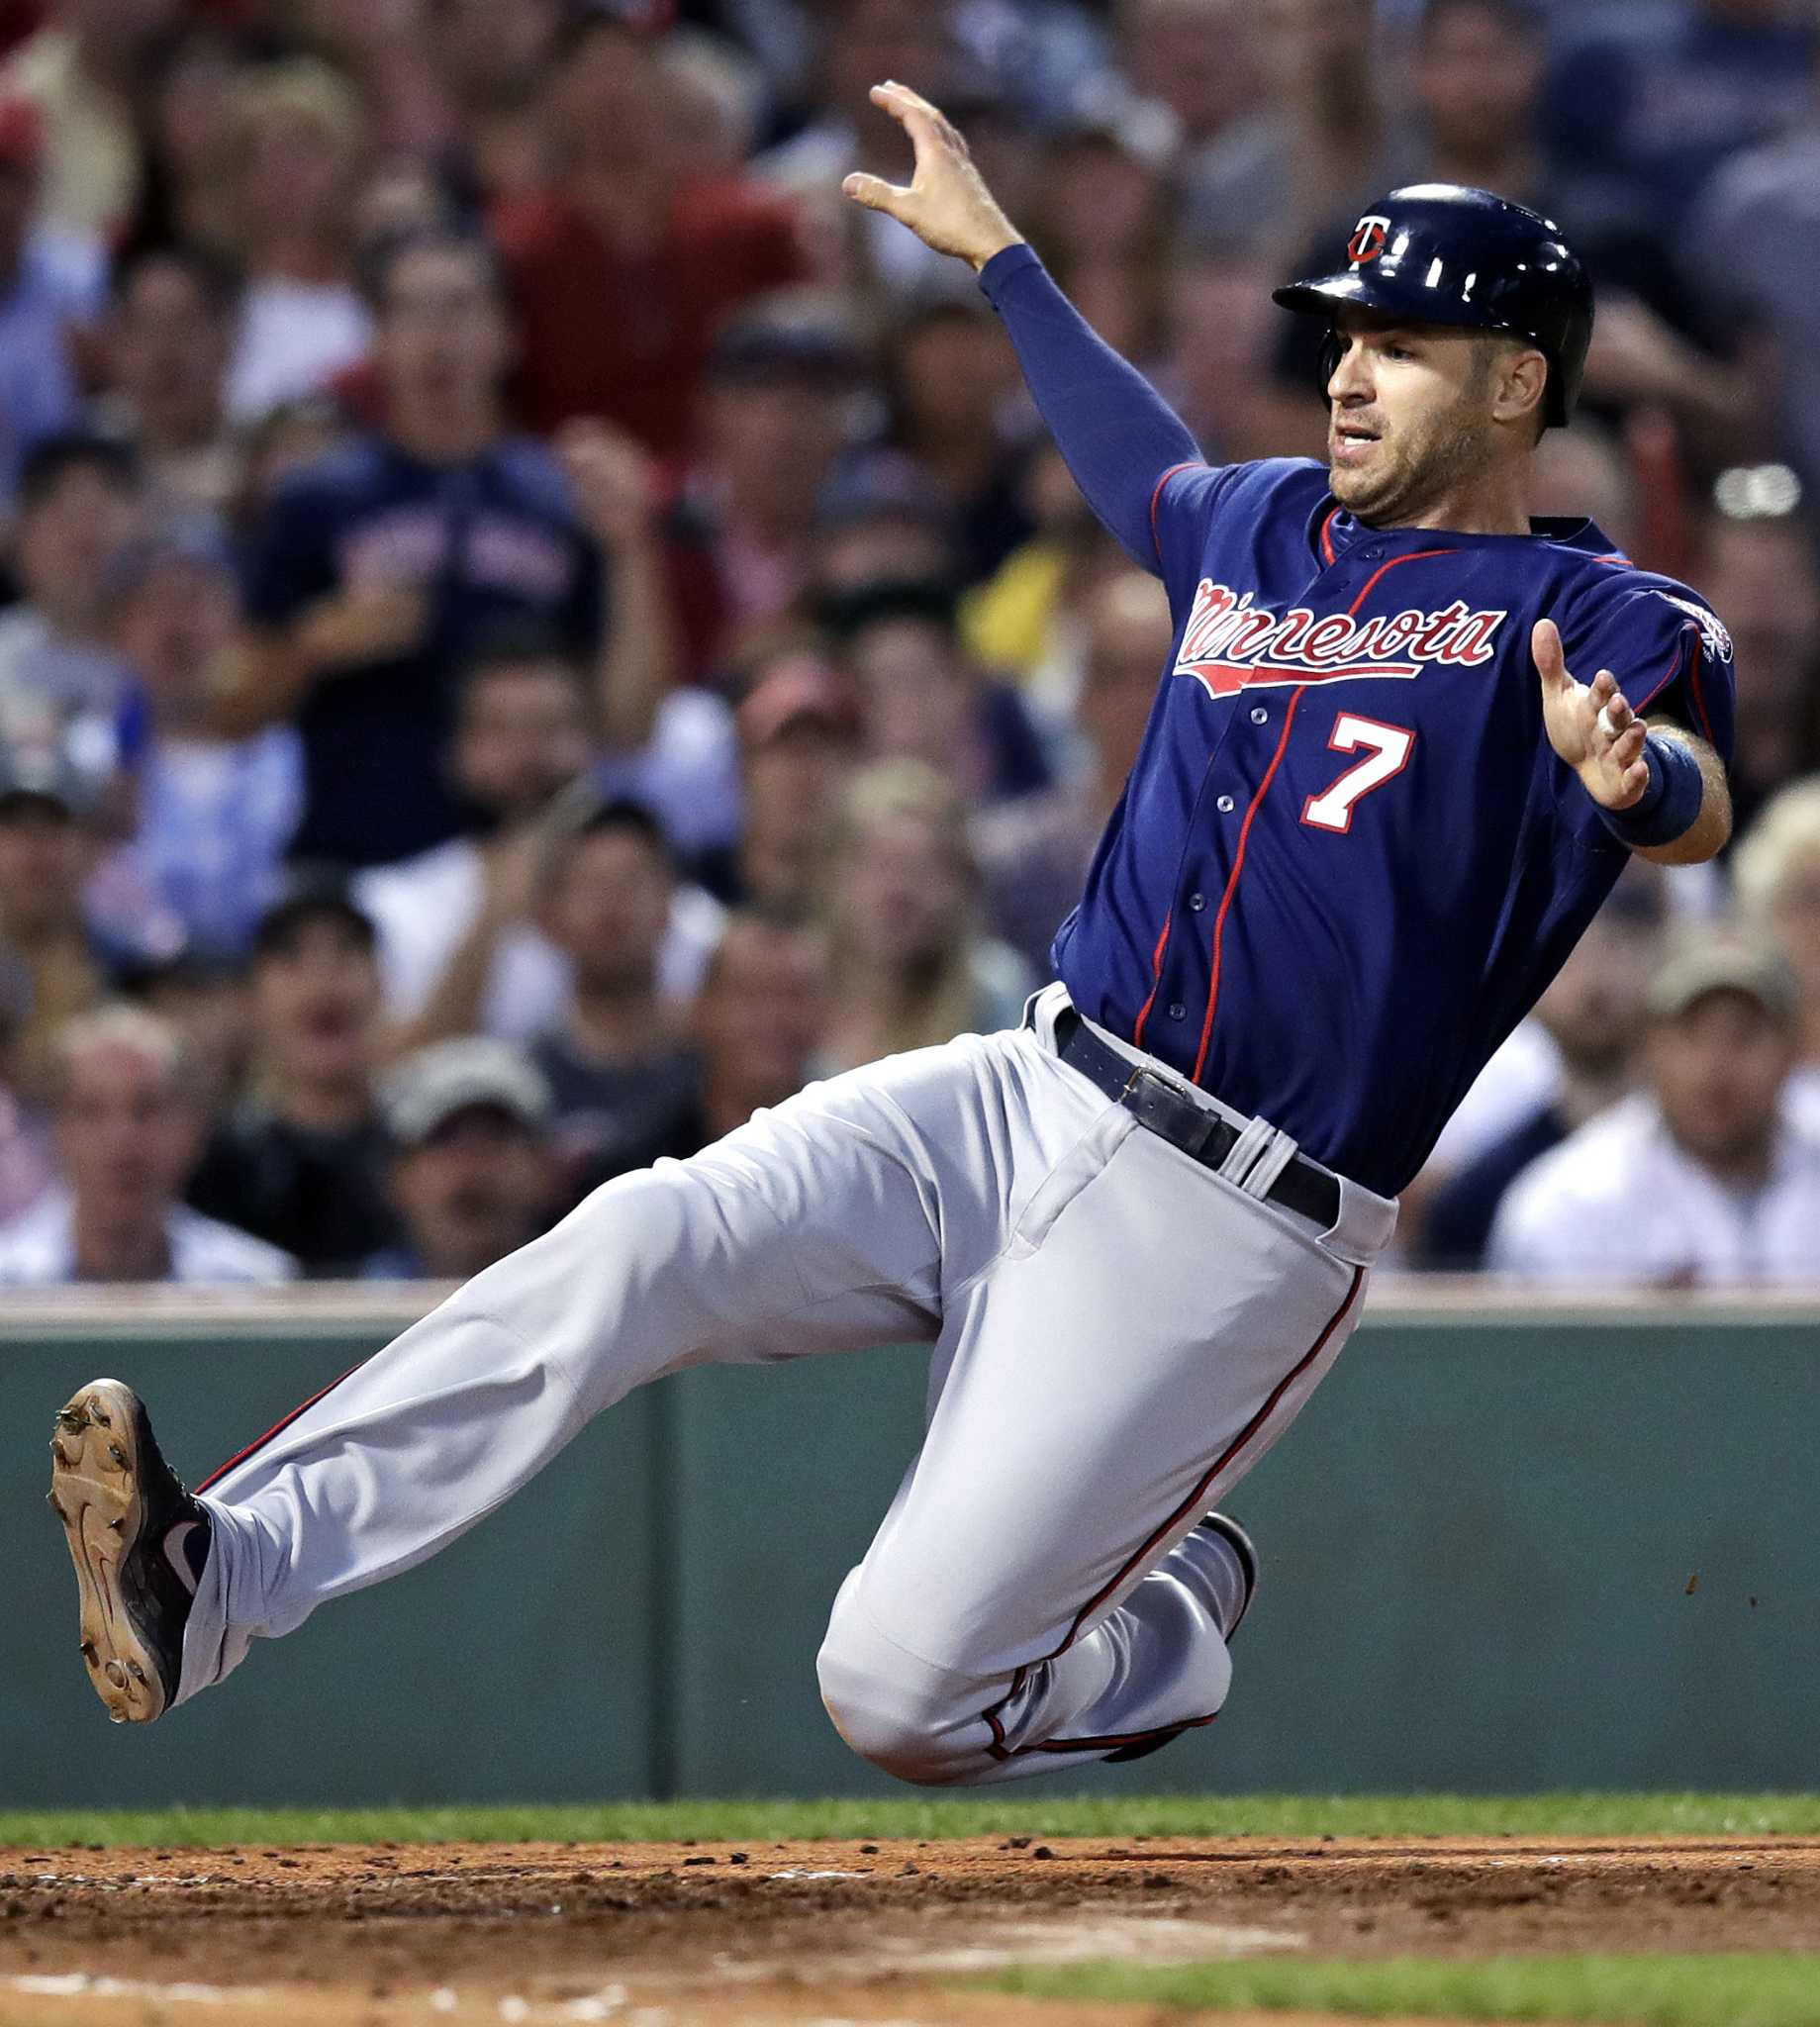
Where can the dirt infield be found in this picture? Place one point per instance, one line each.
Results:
(814, 1934)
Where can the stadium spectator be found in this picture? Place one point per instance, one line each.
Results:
(799, 746)
(908, 964)
(206, 997)
(1761, 572)
(460, 944)
(922, 698)
(1749, 253)
(758, 1022)
(490, 63)
(472, 1178)
(78, 505)
(188, 99)
(1776, 870)
(47, 848)
(213, 816)
(127, 1125)
(1223, 335)
(46, 287)
(1592, 1013)
(1104, 219)
(1034, 852)
(82, 71)
(1705, 1178)
(616, 1060)
(774, 416)
(949, 376)
(301, 1161)
(377, 567)
(1477, 82)
(1641, 108)
(879, 518)
(25, 1160)
(302, 317)
(169, 329)
(754, 1030)
(627, 265)
(859, 43)
(1028, 617)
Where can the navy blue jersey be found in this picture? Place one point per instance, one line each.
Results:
(1348, 861)
(490, 541)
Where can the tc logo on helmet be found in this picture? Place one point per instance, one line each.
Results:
(1368, 238)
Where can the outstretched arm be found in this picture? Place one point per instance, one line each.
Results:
(1592, 728)
(1118, 436)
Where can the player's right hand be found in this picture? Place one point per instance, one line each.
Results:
(947, 203)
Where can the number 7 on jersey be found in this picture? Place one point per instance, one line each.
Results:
(1386, 749)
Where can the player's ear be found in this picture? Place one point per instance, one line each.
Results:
(1521, 376)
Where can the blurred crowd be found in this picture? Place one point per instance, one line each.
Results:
(531, 629)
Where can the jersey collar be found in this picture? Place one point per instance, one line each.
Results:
(1336, 531)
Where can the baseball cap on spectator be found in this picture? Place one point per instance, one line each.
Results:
(45, 775)
(1724, 962)
(800, 690)
(805, 340)
(307, 896)
(22, 135)
(473, 1073)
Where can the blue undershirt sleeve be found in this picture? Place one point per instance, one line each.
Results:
(1117, 435)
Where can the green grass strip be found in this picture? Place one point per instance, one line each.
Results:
(1650, 1991)
(1290, 1818)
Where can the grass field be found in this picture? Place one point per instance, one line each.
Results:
(1292, 1818)
(1768, 1990)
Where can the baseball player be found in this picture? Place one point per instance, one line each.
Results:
(1403, 744)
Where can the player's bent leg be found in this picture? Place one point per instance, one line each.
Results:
(1147, 1664)
(1040, 1593)
(833, 1221)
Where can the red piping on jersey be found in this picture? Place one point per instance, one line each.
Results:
(277, 1429)
(1227, 1457)
(1694, 683)
(1327, 535)
(1156, 541)
(1233, 880)
(1156, 979)
(1238, 863)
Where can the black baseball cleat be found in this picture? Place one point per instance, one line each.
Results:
(138, 1540)
(1240, 1543)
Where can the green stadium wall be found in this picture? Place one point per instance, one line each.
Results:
(1504, 1549)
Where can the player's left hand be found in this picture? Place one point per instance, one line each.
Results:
(1590, 724)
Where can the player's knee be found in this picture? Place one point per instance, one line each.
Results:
(892, 1710)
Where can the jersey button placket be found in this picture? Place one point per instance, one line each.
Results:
(1259, 716)
(1226, 806)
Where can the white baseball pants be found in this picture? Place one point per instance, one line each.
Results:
(1120, 1334)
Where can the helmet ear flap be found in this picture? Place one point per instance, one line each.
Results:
(1332, 345)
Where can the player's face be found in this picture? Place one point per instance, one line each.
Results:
(1411, 415)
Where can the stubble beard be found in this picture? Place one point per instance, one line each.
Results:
(1433, 462)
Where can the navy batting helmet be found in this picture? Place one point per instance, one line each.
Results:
(1444, 253)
